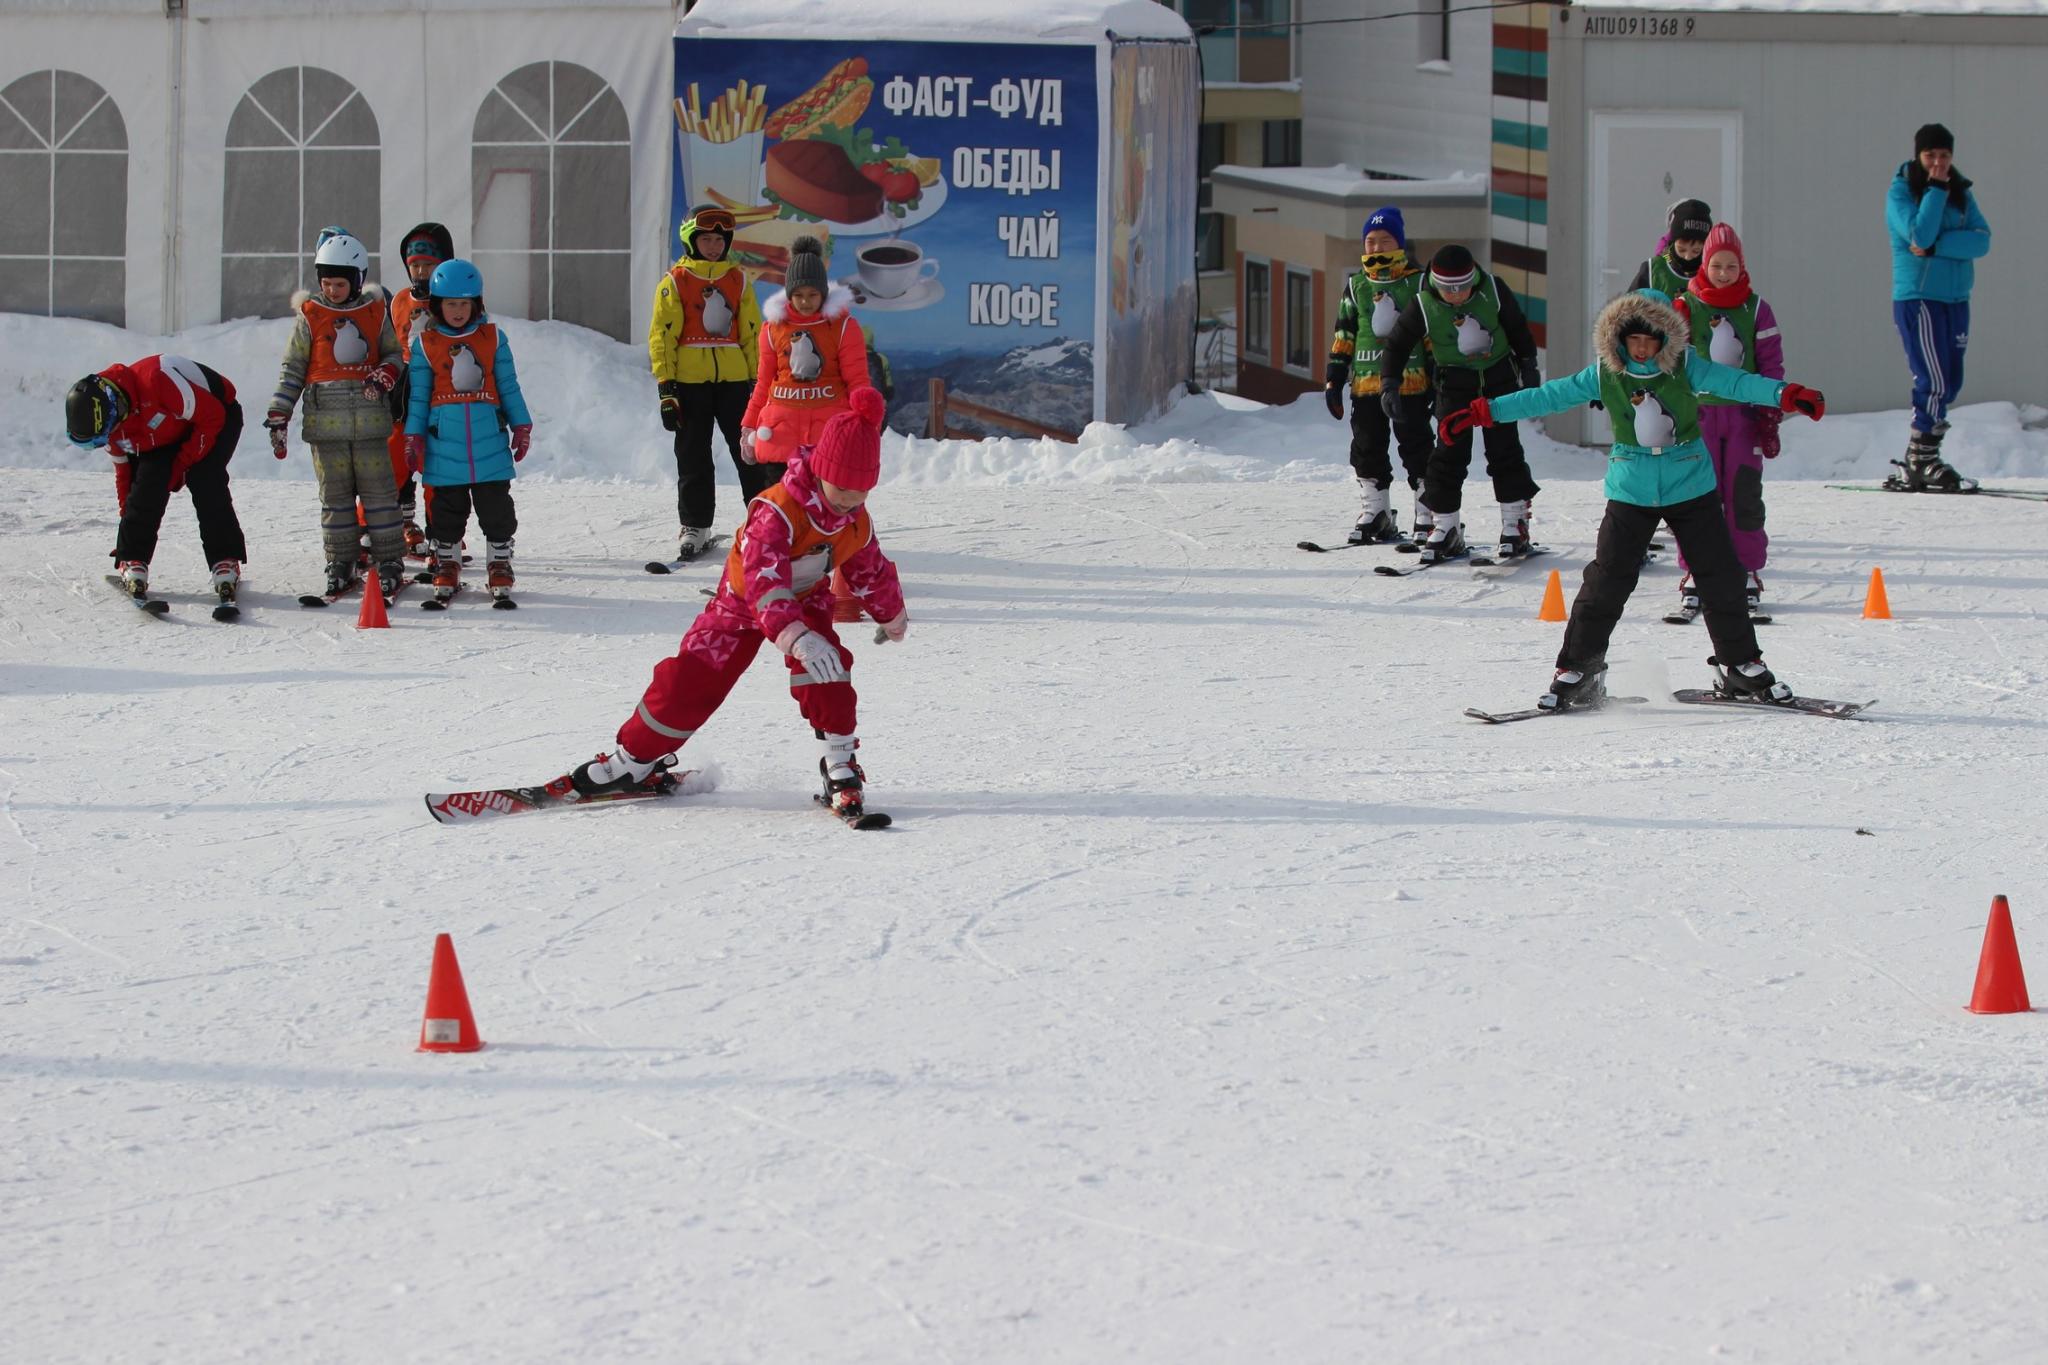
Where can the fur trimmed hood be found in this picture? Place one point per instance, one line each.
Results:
(838, 303)
(1643, 306)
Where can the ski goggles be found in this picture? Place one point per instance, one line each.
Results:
(715, 220)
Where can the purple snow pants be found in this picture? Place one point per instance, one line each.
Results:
(1731, 435)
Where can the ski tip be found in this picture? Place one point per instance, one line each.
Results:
(437, 807)
(656, 566)
(225, 613)
(156, 608)
(1477, 714)
(1310, 546)
(503, 604)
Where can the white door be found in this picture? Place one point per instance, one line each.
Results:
(504, 237)
(1642, 162)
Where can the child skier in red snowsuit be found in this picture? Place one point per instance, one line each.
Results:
(777, 587)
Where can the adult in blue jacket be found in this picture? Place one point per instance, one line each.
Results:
(1937, 232)
(1649, 378)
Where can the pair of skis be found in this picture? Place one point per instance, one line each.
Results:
(1895, 485)
(1693, 696)
(1687, 614)
(462, 808)
(501, 598)
(225, 610)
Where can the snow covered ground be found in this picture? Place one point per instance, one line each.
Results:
(1221, 995)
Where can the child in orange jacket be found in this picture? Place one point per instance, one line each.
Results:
(813, 356)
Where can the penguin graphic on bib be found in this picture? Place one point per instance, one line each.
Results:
(717, 315)
(1473, 339)
(1654, 426)
(804, 361)
(464, 374)
(1384, 315)
(1724, 345)
(349, 346)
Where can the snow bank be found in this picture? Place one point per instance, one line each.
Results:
(594, 417)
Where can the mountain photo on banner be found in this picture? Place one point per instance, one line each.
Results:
(952, 184)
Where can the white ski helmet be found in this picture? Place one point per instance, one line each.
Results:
(343, 255)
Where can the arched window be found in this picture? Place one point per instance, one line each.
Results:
(551, 184)
(63, 199)
(302, 152)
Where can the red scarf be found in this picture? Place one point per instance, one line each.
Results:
(1721, 238)
(1725, 296)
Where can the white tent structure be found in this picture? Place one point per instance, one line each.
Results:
(167, 163)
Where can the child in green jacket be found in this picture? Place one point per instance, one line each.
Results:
(1649, 378)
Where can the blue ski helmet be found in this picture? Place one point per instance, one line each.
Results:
(456, 279)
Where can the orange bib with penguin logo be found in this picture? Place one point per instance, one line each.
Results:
(711, 307)
(807, 364)
(812, 552)
(464, 367)
(344, 340)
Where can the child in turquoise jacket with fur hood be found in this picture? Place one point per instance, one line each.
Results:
(1658, 471)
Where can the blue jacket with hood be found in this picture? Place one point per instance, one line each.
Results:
(1956, 235)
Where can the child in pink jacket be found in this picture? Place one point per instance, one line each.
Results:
(1732, 326)
(778, 587)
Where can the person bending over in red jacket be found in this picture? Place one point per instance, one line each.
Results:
(168, 423)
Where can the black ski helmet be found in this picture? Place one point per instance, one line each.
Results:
(94, 406)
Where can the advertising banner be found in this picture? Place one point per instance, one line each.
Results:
(1155, 101)
(953, 186)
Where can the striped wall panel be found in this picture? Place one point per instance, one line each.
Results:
(1521, 154)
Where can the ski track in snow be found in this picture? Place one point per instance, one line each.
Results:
(1222, 994)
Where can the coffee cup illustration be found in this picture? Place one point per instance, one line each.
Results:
(890, 269)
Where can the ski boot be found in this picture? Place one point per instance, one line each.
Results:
(1924, 471)
(1754, 597)
(447, 567)
(134, 575)
(227, 576)
(341, 575)
(690, 542)
(843, 776)
(1575, 689)
(1514, 530)
(390, 578)
(1446, 539)
(1424, 519)
(1749, 682)
(1689, 596)
(1375, 528)
(415, 540)
(619, 771)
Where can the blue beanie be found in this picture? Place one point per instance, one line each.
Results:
(1388, 219)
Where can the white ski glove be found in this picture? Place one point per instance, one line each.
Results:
(819, 656)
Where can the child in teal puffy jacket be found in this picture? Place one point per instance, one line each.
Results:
(1649, 378)
(464, 399)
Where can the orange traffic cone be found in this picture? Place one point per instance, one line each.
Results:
(845, 606)
(1553, 599)
(373, 616)
(2001, 985)
(448, 1025)
(1875, 605)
